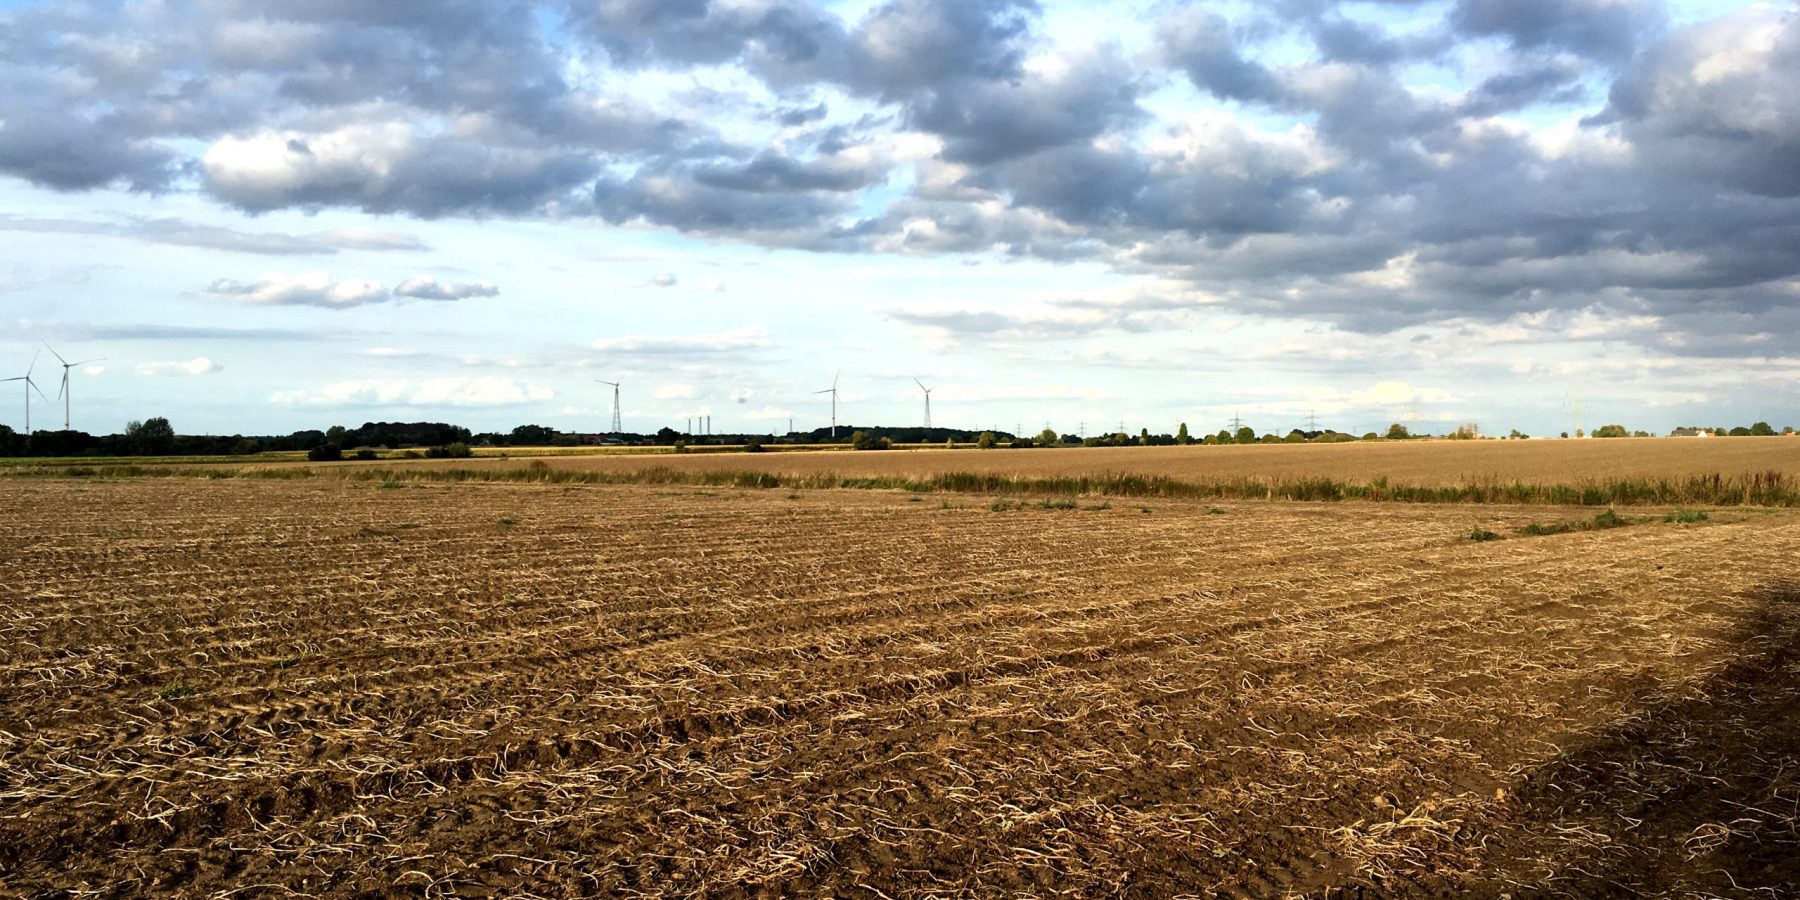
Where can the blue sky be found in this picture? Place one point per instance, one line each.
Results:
(284, 215)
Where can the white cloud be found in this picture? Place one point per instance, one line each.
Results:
(486, 391)
(306, 289)
(199, 365)
(91, 371)
(1398, 393)
(666, 279)
(675, 392)
(425, 287)
(392, 352)
(753, 338)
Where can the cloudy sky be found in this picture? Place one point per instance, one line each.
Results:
(291, 213)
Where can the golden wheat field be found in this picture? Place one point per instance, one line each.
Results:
(1404, 462)
(329, 687)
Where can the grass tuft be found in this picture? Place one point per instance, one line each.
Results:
(176, 690)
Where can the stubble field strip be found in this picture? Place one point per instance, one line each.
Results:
(841, 690)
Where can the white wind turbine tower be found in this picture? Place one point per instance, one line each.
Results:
(64, 392)
(927, 391)
(833, 392)
(617, 426)
(30, 386)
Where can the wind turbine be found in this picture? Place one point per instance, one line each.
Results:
(64, 392)
(833, 392)
(617, 427)
(30, 386)
(927, 391)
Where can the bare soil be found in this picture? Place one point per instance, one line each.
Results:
(334, 688)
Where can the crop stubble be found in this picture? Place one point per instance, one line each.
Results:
(330, 687)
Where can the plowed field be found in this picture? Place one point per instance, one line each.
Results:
(1404, 462)
(321, 687)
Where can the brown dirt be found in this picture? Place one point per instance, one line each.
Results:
(334, 688)
(1408, 462)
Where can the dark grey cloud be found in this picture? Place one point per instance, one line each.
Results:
(1332, 185)
(1534, 82)
(675, 196)
(984, 122)
(1201, 44)
(1604, 29)
(67, 152)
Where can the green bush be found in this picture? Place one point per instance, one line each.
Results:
(458, 450)
(325, 453)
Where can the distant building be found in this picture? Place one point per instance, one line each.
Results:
(1691, 432)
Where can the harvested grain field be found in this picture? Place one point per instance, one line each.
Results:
(334, 687)
(1403, 462)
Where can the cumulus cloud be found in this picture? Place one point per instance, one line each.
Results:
(308, 289)
(199, 365)
(411, 393)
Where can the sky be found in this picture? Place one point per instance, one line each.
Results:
(269, 215)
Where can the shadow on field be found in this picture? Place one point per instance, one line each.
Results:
(1712, 783)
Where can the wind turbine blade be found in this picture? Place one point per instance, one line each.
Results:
(86, 361)
(65, 385)
(55, 354)
(38, 389)
(826, 391)
(834, 378)
(34, 359)
(20, 378)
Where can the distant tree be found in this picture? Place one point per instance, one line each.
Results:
(1223, 437)
(1467, 431)
(863, 440)
(1579, 433)
(1612, 431)
(753, 445)
(667, 435)
(1762, 429)
(1244, 435)
(1397, 432)
(531, 436)
(1144, 437)
(1740, 431)
(152, 437)
(1565, 434)
(1371, 436)
(1516, 435)
(1048, 438)
(986, 441)
(1788, 430)
(1181, 435)
(336, 434)
(327, 452)
(1295, 437)
(11, 442)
